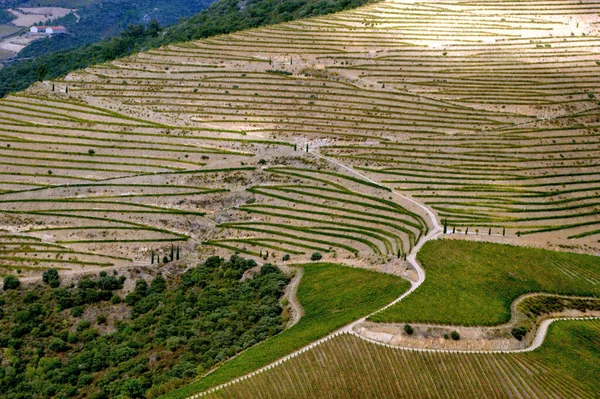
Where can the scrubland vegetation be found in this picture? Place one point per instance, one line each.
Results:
(90, 340)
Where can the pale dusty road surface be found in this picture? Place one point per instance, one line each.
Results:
(291, 293)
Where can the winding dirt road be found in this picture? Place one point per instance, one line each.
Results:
(297, 311)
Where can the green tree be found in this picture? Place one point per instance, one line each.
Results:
(519, 332)
(11, 283)
(41, 72)
(50, 277)
(153, 28)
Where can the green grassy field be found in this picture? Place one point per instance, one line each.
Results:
(566, 366)
(6, 30)
(471, 283)
(332, 296)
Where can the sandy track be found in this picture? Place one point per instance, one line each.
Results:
(540, 336)
(480, 339)
(291, 293)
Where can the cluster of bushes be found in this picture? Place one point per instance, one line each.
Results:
(546, 304)
(409, 330)
(279, 72)
(223, 16)
(539, 305)
(88, 291)
(5, 16)
(176, 328)
(50, 277)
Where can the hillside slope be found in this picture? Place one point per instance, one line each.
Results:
(327, 138)
(433, 113)
(63, 54)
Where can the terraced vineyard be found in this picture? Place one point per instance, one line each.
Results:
(97, 188)
(346, 366)
(486, 112)
(321, 213)
(355, 137)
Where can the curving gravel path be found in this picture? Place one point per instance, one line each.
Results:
(291, 294)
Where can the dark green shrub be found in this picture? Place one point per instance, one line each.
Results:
(408, 329)
(158, 285)
(50, 277)
(72, 338)
(57, 345)
(84, 380)
(286, 257)
(30, 297)
(11, 283)
(89, 334)
(77, 311)
(519, 332)
(83, 324)
(455, 335)
(141, 287)
(316, 256)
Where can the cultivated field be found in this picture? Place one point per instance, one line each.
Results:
(486, 112)
(348, 367)
(354, 137)
(27, 16)
(489, 118)
(476, 283)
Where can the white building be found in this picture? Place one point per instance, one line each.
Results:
(47, 30)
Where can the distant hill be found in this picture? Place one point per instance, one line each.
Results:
(224, 16)
(101, 20)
